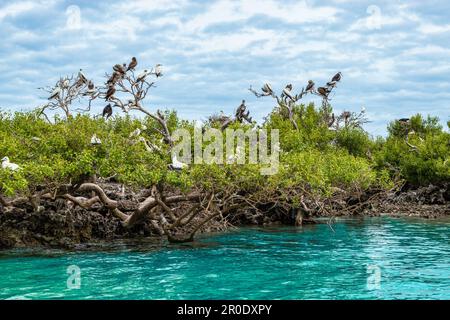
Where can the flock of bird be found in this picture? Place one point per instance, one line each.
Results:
(119, 72)
(310, 87)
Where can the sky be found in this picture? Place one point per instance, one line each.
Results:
(394, 55)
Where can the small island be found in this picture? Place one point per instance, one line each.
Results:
(83, 177)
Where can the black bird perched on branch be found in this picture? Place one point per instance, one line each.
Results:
(241, 114)
(323, 92)
(120, 68)
(114, 78)
(82, 77)
(403, 120)
(267, 89)
(107, 111)
(110, 92)
(310, 86)
(337, 77)
(55, 93)
(241, 108)
(132, 64)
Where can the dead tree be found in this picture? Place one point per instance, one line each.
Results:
(348, 119)
(287, 100)
(241, 115)
(68, 90)
(127, 91)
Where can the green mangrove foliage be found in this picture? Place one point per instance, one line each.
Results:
(312, 157)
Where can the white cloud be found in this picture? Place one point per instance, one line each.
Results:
(225, 11)
(16, 8)
(213, 51)
(430, 28)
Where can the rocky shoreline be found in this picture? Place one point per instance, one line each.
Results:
(59, 226)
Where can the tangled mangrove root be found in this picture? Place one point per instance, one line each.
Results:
(103, 211)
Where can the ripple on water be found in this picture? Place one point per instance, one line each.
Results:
(313, 262)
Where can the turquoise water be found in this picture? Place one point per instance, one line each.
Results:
(411, 257)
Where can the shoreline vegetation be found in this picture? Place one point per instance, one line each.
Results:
(82, 177)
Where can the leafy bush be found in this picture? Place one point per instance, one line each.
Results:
(312, 157)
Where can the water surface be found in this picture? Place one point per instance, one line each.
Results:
(377, 258)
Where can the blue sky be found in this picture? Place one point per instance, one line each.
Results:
(394, 55)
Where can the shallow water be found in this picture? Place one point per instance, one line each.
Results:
(377, 258)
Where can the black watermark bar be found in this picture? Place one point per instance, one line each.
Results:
(224, 309)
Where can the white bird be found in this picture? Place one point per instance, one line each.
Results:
(267, 88)
(55, 93)
(150, 147)
(91, 88)
(158, 70)
(234, 157)
(135, 133)
(95, 140)
(66, 83)
(131, 104)
(142, 75)
(8, 165)
(363, 109)
(287, 92)
(177, 165)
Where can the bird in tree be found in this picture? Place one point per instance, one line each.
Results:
(176, 164)
(95, 140)
(114, 78)
(310, 86)
(287, 92)
(323, 92)
(132, 64)
(158, 70)
(91, 88)
(142, 76)
(241, 108)
(403, 120)
(110, 92)
(107, 111)
(81, 77)
(55, 93)
(267, 89)
(9, 165)
(120, 69)
(66, 83)
(337, 77)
